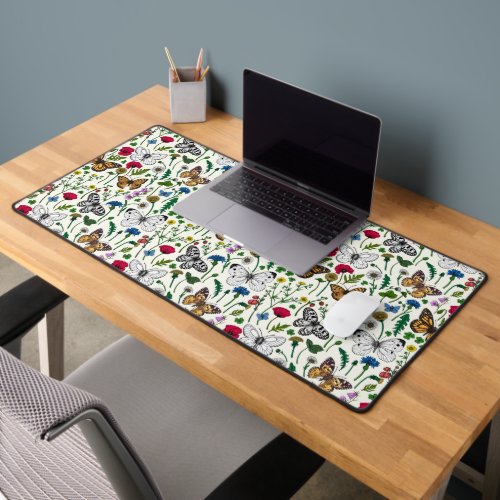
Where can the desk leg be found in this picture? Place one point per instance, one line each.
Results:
(491, 489)
(440, 492)
(51, 343)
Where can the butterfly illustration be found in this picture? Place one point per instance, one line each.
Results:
(338, 291)
(100, 164)
(386, 350)
(145, 276)
(92, 204)
(134, 218)
(264, 344)
(191, 259)
(124, 182)
(424, 324)
(447, 263)
(45, 218)
(186, 146)
(239, 275)
(198, 301)
(325, 372)
(399, 244)
(194, 177)
(317, 269)
(310, 324)
(420, 289)
(93, 243)
(142, 154)
(347, 255)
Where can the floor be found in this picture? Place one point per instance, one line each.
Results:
(87, 333)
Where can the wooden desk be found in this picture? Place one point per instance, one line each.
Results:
(412, 438)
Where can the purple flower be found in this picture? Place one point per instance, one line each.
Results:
(434, 303)
(108, 255)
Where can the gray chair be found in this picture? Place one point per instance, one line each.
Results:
(176, 438)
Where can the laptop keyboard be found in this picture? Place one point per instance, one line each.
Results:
(300, 213)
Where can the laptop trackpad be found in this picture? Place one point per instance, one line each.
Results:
(250, 228)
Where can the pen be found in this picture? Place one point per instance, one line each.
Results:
(205, 71)
(198, 66)
(172, 65)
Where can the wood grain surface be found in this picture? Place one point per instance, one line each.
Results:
(409, 442)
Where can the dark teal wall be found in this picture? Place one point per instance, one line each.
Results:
(430, 69)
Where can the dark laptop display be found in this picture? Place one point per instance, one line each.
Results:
(304, 138)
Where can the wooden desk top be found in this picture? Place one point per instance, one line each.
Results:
(410, 440)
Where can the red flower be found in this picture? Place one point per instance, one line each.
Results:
(166, 138)
(143, 240)
(148, 132)
(470, 283)
(25, 209)
(343, 268)
(126, 151)
(371, 234)
(166, 249)
(233, 330)
(253, 302)
(120, 264)
(452, 309)
(70, 196)
(333, 253)
(384, 374)
(48, 187)
(134, 164)
(363, 405)
(281, 312)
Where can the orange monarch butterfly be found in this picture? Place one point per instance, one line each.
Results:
(124, 182)
(338, 291)
(420, 289)
(198, 301)
(194, 177)
(317, 269)
(424, 324)
(99, 164)
(325, 372)
(93, 243)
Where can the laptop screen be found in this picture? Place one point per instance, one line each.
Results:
(310, 140)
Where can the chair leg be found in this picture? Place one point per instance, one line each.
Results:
(491, 490)
(440, 492)
(51, 343)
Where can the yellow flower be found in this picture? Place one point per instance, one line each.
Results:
(331, 276)
(281, 279)
(189, 238)
(380, 315)
(77, 172)
(301, 283)
(411, 348)
(121, 170)
(153, 199)
(304, 299)
(92, 187)
(189, 225)
(171, 221)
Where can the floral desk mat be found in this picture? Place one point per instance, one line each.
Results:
(118, 208)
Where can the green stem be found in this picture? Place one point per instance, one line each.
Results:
(362, 372)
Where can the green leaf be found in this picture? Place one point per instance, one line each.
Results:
(239, 321)
(64, 207)
(432, 270)
(314, 348)
(385, 281)
(344, 358)
(169, 295)
(169, 204)
(187, 160)
(112, 228)
(88, 221)
(390, 294)
(457, 294)
(353, 278)
(166, 174)
(279, 327)
(127, 256)
(419, 340)
(403, 262)
(166, 183)
(65, 235)
(292, 367)
(370, 387)
(218, 287)
(165, 262)
(409, 336)
(372, 396)
(126, 249)
(401, 323)
(237, 312)
(191, 279)
(371, 246)
(140, 171)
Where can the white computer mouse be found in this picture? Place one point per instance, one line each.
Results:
(345, 317)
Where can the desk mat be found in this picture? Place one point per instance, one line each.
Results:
(118, 208)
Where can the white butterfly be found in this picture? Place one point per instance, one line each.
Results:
(399, 244)
(224, 160)
(263, 344)
(92, 204)
(310, 324)
(45, 218)
(348, 255)
(447, 263)
(142, 154)
(186, 146)
(255, 281)
(134, 218)
(145, 276)
(191, 259)
(386, 350)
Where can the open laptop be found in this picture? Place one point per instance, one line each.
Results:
(306, 180)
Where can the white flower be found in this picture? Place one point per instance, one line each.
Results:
(263, 344)
(347, 255)
(374, 274)
(142, 154)
(447, 263)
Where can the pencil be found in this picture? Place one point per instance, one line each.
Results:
(198, 66)
(205, 71)
(172, 65)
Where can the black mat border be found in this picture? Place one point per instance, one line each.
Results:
(214, 327)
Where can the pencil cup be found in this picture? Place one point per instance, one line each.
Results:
(188, 99)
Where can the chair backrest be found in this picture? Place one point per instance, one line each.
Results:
(84, 457)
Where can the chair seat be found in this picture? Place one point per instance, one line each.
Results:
(190, 436)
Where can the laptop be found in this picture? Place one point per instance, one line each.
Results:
(306, 180)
